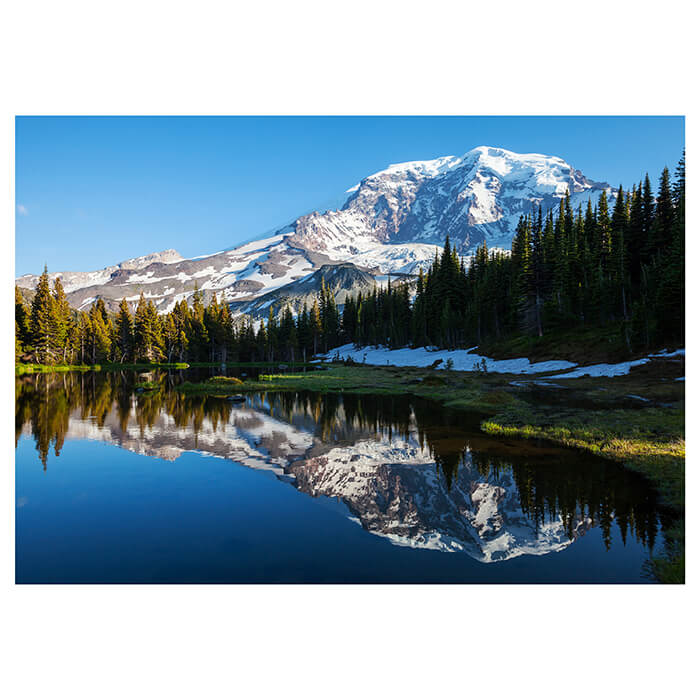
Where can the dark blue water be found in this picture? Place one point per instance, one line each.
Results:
(305, 488)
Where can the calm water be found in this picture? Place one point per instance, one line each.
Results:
(118, 486)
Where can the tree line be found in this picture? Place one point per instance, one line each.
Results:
(50, 332)
(599, 267)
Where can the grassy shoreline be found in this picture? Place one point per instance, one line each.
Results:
(33, 368)
(30, 368)
(635, 419)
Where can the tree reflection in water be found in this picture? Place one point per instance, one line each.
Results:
(552, 485)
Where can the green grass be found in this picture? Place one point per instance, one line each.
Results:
(274, 365)
(25, 368)
(28, 368)
(225, 381)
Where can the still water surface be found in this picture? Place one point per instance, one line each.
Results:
(117, 486)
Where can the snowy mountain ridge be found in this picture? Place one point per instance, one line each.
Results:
(393, 221)
(473, 198)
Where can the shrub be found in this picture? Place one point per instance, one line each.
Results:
(225, 380)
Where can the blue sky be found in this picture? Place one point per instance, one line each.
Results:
(92, 191)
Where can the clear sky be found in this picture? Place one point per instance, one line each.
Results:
(92, 191)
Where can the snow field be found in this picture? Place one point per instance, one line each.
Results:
(469, 361)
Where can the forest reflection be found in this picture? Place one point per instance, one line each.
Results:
(550, 483)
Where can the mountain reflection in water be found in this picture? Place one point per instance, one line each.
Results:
(406, 469)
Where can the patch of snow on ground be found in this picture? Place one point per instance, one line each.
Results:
(603, 370)
(666, 353)
(463, 360)
(468, 361)
(617, 370)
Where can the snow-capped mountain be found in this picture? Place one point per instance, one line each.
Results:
(393, 221)
(73, 281)
(473, 198)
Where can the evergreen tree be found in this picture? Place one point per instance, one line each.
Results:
(316, 327)
(124, 333)
(145, 335)
(618, 233)
(648, 211)
(19, 350)
(99, 337)
(61, 321)
(664, 219)
(22, 319)
(42, 321)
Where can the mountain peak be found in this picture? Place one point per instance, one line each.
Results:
(392, 221)
(164, 256)
(474, 198)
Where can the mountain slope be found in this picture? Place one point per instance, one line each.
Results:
(342, 279)
(393, 221)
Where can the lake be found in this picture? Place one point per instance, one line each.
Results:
(114, 485)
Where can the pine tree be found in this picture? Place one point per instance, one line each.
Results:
(604, 235)
(664, 219)
(316, 327)
(156, 331)
(197, 331)
(522, 263)
(42, 321)
(648, 212)
(304, 330)
(22, 319)
(635, 238)
(618, 234)
(671, 293)
(272, 335)
(226, 332)
(171, 338)
(100, 340)
(19, 350)
(124, 333)
(679, 183)
(82, 332)
(61, 321)
(143, 334)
